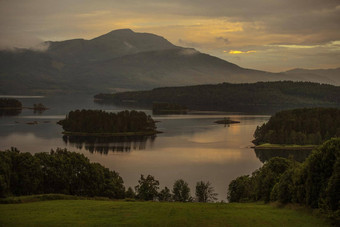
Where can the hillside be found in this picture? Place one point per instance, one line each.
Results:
(124, 60)
(265, 97)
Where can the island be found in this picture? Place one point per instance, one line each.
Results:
(298, 129)
(226, 121)
(160, 108)
(8, 103)
(104, 124)
(39, 107)
(10, 107)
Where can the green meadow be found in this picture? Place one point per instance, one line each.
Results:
(83, 212)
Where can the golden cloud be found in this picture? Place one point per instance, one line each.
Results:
(240, 52)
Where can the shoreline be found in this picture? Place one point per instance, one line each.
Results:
(115, 134)
(268, 146)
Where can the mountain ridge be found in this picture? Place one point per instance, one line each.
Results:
(124, 60)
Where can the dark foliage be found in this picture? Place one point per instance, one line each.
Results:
(60, 171)
(181, 191)
(10, 107)
(257, 97)
(98, 121)
(205, 192)
(147, 189)
(239, 190)
(10, 103)
(130, 193)
(165, 195)
(300, 126)
(314, 183)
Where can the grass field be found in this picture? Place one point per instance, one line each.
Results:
(285, 146)
(122, 213)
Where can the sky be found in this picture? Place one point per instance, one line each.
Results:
(271, 35)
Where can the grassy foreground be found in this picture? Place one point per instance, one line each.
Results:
(113, 213)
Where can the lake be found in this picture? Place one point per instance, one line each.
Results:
(191, 147)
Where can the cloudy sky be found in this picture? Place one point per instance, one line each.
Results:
(273, 35)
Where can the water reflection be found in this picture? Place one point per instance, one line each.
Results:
(9, 112)
(104, 145)
(266, 154)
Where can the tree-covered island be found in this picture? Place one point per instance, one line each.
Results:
(7, 103)
(226, 121)
(10, 107)
(298, 128)
(101, 123)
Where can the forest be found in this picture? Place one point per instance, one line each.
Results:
(300, 126)
(261, 97)
(313, 183)
(98, 121)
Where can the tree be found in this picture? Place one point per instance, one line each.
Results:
(130, 193)
(147, 188)
(205, 192)
(239, 189)
(181, 191)
(267, 176)
(165, 195)
(321, 176)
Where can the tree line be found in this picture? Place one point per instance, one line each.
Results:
(148, 189)
(300, 126)
(260, 97)
(59, 171)
(71, 173)
(314, 183)
(98, 121)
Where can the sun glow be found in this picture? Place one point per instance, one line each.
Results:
(240, 52)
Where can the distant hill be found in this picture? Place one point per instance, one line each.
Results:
(260, 97)
(123, 60)
(329, 76)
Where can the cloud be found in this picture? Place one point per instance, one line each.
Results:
(22, 40)
(186, 43)
(279, 31)
(222, 39)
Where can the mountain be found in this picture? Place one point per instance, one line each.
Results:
(113, 44)
(120, 60)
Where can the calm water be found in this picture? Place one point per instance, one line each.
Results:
(191, 146)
